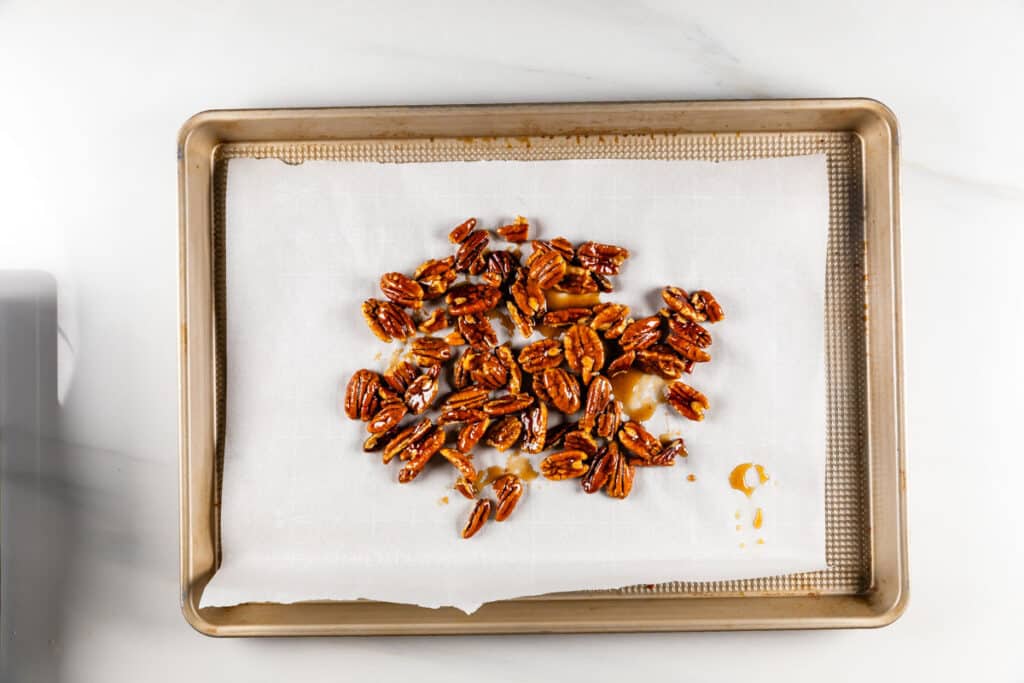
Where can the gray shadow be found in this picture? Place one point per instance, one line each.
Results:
(34, 531)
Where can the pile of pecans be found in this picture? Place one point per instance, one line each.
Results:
(504, 396)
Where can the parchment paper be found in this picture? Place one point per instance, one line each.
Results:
(307, 515)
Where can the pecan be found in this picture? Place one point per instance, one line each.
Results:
(620, 478)
(599, 396)
(516, 231)
(661, 360)
(621, 364)
(490, 373)
(564, 465)
(461, 371)
(679, 301)
(687, 330)
(687, 401)
(604, 285)
(477, 331)
(605, 259)
(461, 415)
(504, 433)
(608, 421)
(522, 321)
(436, 285)
(547, 268)
(528, 295)
(470, 397)
(579, 440)
(427, 351)
(361, 401)
(479, 266)
(576, 281)
(405, 438)
(600, 469)
(567, 316)
(508, 489)
(706, 305)
(467, 299)
(402, 289)
(511, 403)
(400, 375)
(515, 375)
(421, 393)
(561, 389)
(641, 333)
(387, 320)
(471, 433)
(563, 247)
(461, 231)
(540, 355)
(666, 457)
(454, 338)
(610, 318)
(471, 249)
(584, 352)
(387, 396)
(388, 417)
(420, 452)
(434, 267)
(461, 462)
(477, 517)
(535, 424)
(466, 487)
(501, 265)
(435, 322)
(638, 441)
(375, 442)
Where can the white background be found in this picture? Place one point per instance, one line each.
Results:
(92, 98)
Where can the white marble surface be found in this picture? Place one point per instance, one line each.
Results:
(92, 99)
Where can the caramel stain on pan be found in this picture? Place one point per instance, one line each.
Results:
(743, 545)
(443, 501)
(738, 476)
(691, 477)
(558, 301)
(738, 527)
(487, 476)
(549, 332)
(639, 392)
(760, 541)
(377, 356)
(758, 518)
(669, 437)
(737, 515)
(520, 466)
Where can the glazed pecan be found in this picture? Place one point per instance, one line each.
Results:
(563, 247)
(405, 438)
(471, 249)
(661, 360)
(387, 396)
(420, 452)
(479, 266)
(523, 322)
(508, 489)
(422, 392)
(500, 266)
(679, 301)
(454, 415)
(387, 320)
(579, 440)
(604, 285)
(388, 417)
(599, 396)
(504, 433)
(604, 259)
(688, 330)
(477, 517)
(490, 373)
(504, 405)
(576, 281)
(361, 401)
(375, 442)
(611, 319)
(666, 457)
(428, 351)
(514, 373)
(528, 295)
(541, 355)
(641, 333)
(461, 231)
(402, 289)
(564, 465)
(400, 375)
(621, 364)
(476, 329)
(560, 389)
(609, 420)
(535, 425)
(547, 268)
(460, 461)
(469, 397)
(434, 286)
(687, 401)
(584, 352)
(600, 469)
(555, 435)
(638, 441)
(466, 487)
(471, 433)
(706, 305)
(460, 371)
(567, 316)
(467, 299)
(433, 267)
(517, 231)
(435, 322)
(454, 338)
(620, 478)
(686, 349)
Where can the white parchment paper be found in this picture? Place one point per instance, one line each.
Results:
(307, 515)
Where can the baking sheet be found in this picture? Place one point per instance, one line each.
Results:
(307, 516)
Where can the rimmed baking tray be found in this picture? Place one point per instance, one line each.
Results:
(866, 583)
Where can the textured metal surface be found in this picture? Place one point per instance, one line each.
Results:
(846, 494)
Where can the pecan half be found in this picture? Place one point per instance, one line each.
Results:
(420, 452)
(361, 401)
(605, 259)
(454, 338)
(504, 433)
(471, 433)
(584, 352)
(436, 285)
(641, 333)
(706, 305)
(679, 301)
(479, 515)
(461, 231)
(523, 322)
(387, 320)
(400, 375)
(490, 373)
(666, 457)
(428, 351)
(471, 249)
(433, 267)
(500, 266)
(608, 421)
(541, 355)
(620, 479)
(556, 434)
(514, 373)
(611, 319)
(560, 388)
(528, 295)
(466, 487)
(567, 316)
(579, 440)
(600, 469)
(564, 465)
(467, 299)
(504, 405)
(477, 331)
(576, 281)
(688, 330)
(388, 417)
(547, 268)
(563, 247)
(687, 401)
(508, 489)
(604, 285)
(535, 425)
(435, 322)
(402, 289)
(375, 442)
(479, 266)
(517, 231)
(453, 415)
(662, 361)
(470, 397)
(405, 438)
(599, 396)
(421, 393)
(461, 462)
(621, 364)
(638, 441)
